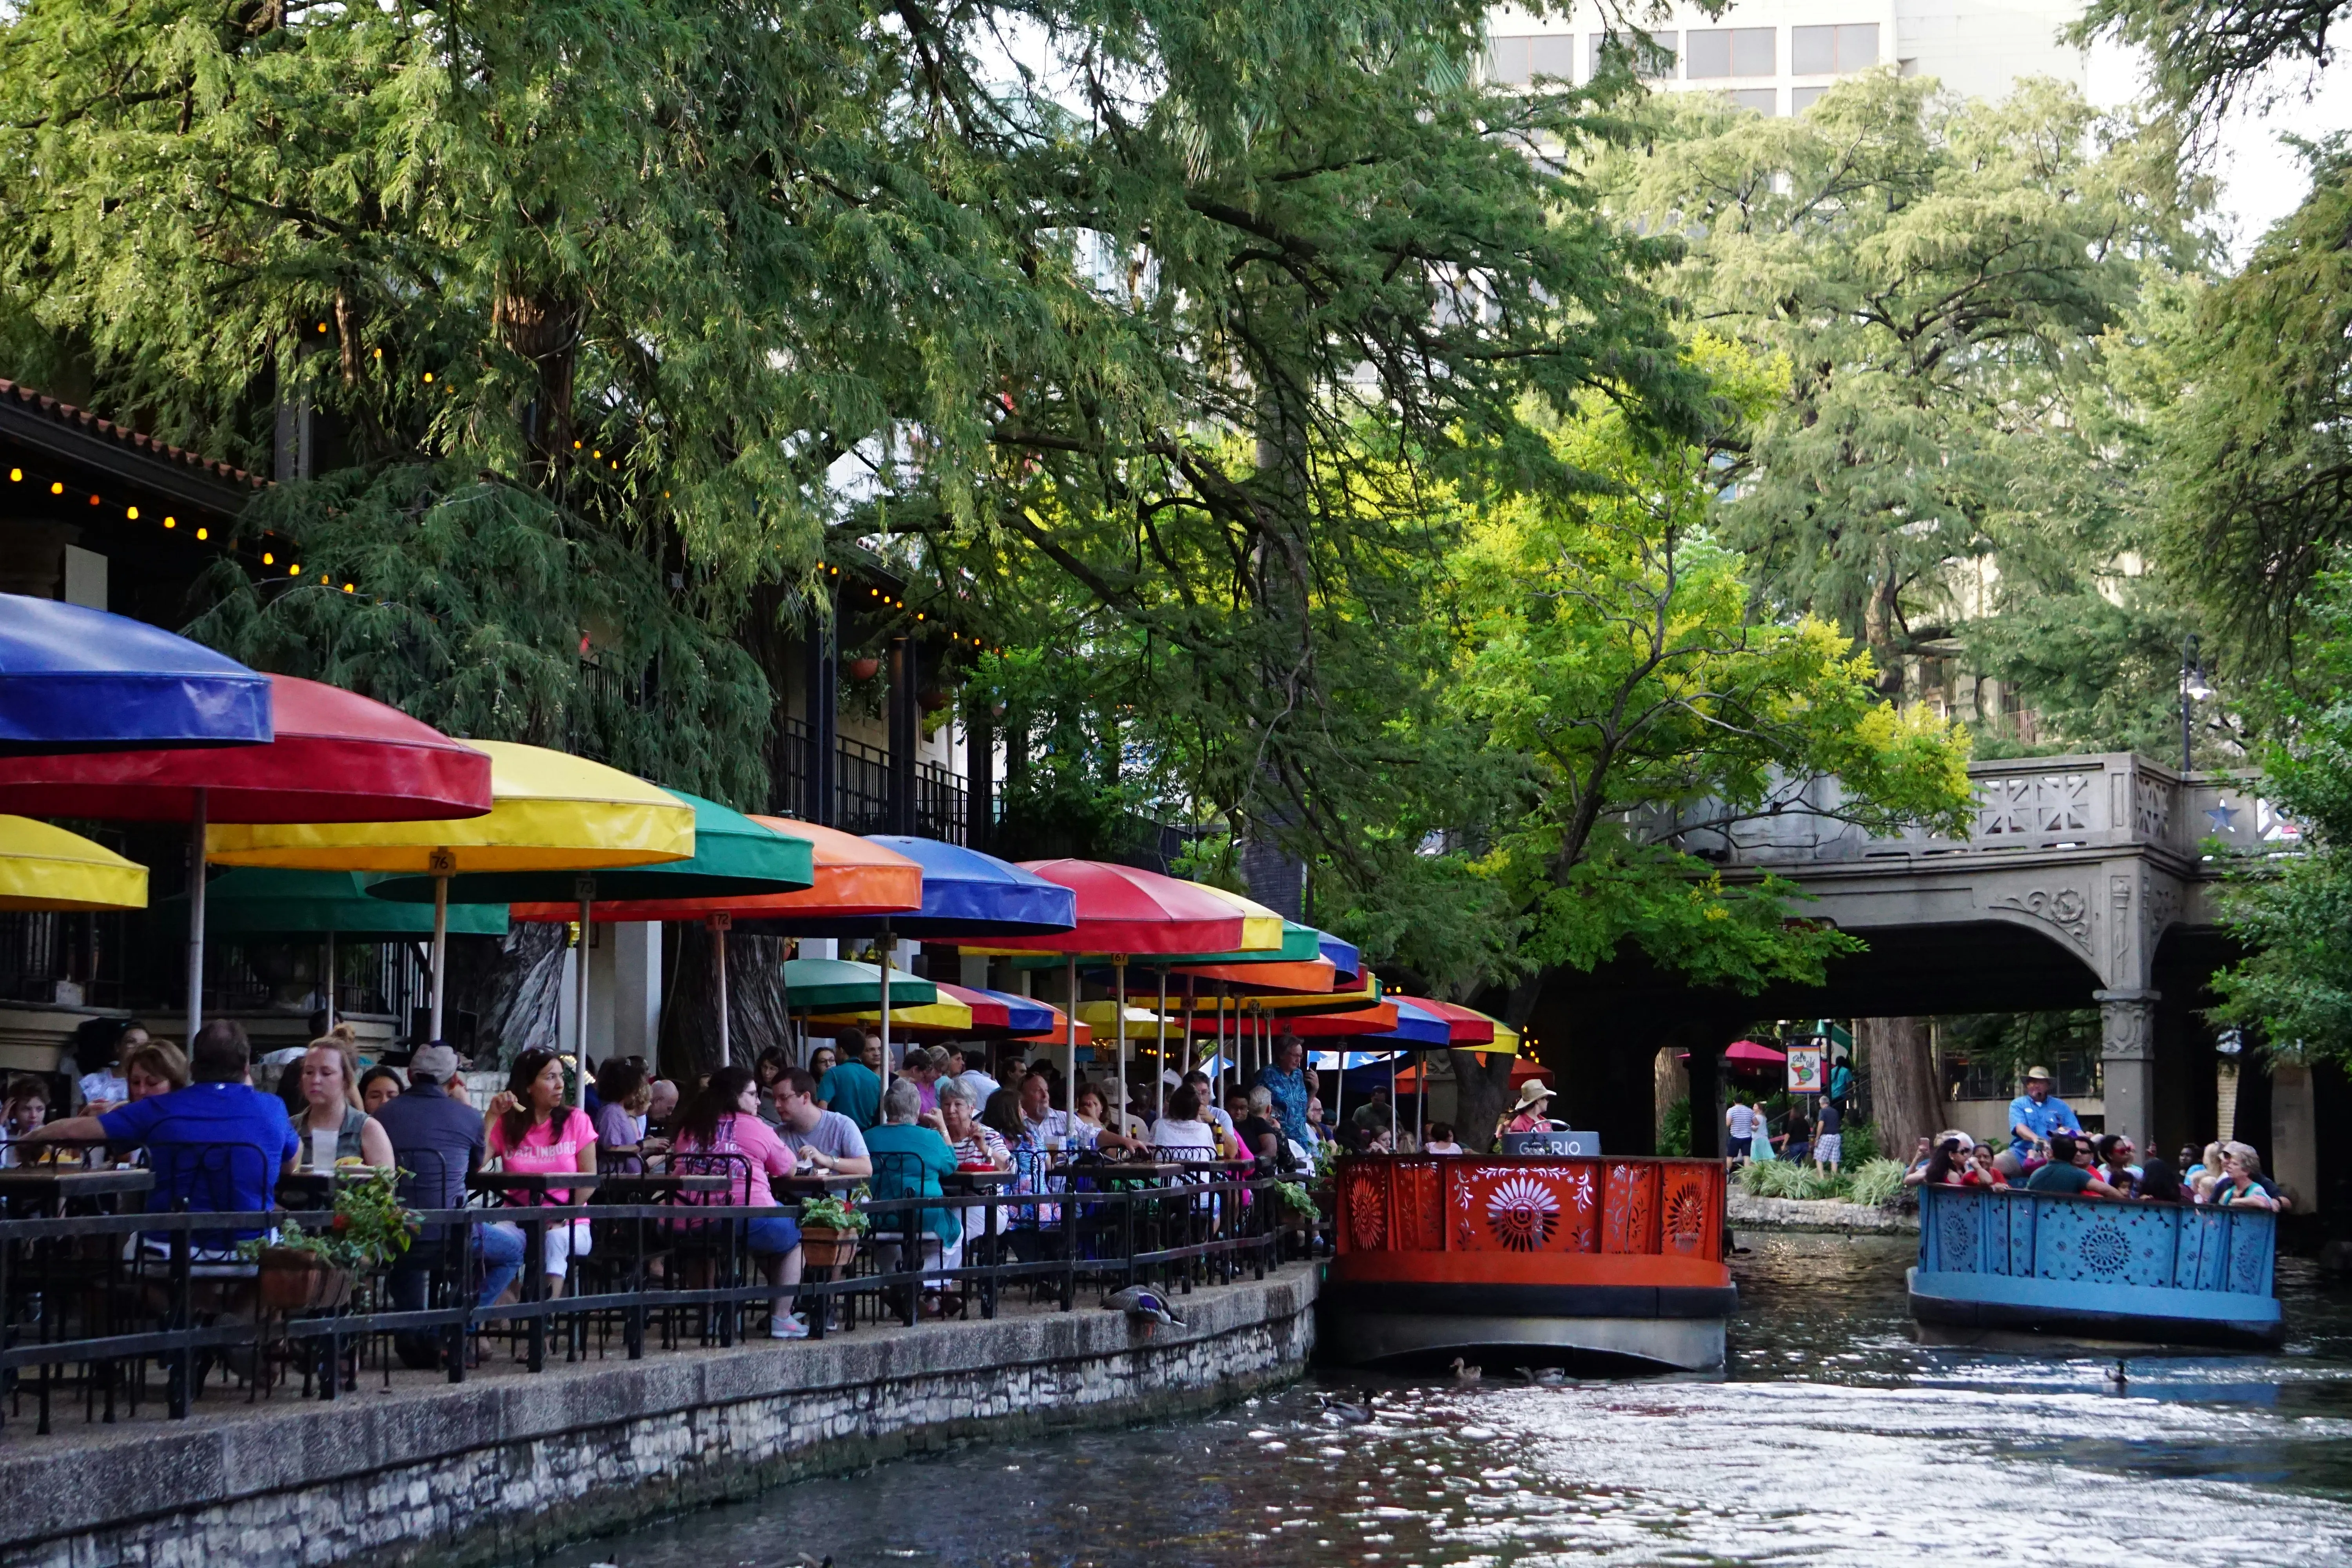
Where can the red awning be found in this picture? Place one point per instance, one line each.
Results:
(337, 757)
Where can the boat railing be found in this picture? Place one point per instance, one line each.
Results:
(2097, 1244)
(1629, 1206)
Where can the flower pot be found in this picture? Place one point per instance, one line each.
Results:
(823, 1247)
(931, 699)
(863, 668)
(293, 1281)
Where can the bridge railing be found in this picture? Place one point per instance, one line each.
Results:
(1630, 1206)
(2108, 801)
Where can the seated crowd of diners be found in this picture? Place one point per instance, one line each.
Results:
(2224, 1174)
(217, 1144)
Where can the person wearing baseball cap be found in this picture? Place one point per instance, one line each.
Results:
(438, 1139)
(2035, 1115)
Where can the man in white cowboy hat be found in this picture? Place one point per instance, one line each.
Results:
(1528, 1114)
(2033, 1116)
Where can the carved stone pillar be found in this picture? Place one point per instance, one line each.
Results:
(2128, 1054)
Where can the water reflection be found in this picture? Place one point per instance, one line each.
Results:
(1837, 1438)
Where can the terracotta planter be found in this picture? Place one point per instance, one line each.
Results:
(294, 1281)
(822, 1246)
(863, 668)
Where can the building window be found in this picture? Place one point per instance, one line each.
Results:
(1801, 99)
(1831, 51)
(1762, 99)
(1515, 62)
(1655, 62)
(1718, 52)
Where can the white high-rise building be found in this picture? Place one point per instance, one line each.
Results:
(1777, 55)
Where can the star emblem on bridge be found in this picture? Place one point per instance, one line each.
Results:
(2224, 816)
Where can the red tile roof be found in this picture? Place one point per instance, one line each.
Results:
(66, 414)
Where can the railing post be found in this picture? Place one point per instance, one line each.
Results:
(181, 1360)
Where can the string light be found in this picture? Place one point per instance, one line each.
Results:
(171, 522)
(93, 501)
(132, 512)
(428, 378)
(16, 475)
(295, 570)
(379, 353)
(347, 587)
(57, 489)
(204, 533)
(268, 559)
(322, 326)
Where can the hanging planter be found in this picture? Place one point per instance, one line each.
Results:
(932, 699)
(865, 667)
(297, 1281)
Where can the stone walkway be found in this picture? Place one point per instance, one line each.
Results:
(1815, 1214)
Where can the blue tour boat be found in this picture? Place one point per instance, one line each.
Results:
(2096, 1268)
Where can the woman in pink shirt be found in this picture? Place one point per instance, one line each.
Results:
(721, 1134)
(532, 1129)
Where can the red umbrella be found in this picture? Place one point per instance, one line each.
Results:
(337, 757)
(1124, 911)
(1748, 1054)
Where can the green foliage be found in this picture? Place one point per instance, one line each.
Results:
(1611, 654)
(2207, 54)
(479, 593)
(2294, 911)
(1874, 1183)
(1859, 1145)
(1786, 1179)
(832, 1211)
(1952, 475)
(1675, 1127)
(1294, 1196)
(369, 1229)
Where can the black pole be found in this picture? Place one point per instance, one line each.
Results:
(2188, 665)
(906, 733)
(823, 669)
(979, 777)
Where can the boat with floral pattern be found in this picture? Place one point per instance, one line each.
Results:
(2096, 1268)
(1604, 1263)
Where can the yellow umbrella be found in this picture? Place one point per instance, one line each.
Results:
(943, 1014)
(548, 812)
(44, 867)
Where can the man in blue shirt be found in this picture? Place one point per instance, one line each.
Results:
(1284, 1079)
(2035, 1115)
(219, 1145)
(852, 1088)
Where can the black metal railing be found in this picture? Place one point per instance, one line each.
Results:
(862, 787)
(98, 1305)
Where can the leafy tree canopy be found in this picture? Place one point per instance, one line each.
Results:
(1953, 475)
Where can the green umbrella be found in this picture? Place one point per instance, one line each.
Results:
(264, 902)
(733, 856)
(261, 901)
(830, 984)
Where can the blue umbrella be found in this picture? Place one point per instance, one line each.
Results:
(1344, 956)
(1022, 1016)
(76, 680)
(965, 893)
(1414, 1027)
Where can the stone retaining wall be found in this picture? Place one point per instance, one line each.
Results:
(1815, 1214)
(498, 1467)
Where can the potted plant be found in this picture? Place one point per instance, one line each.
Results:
(830, 1229)
(311, 1269)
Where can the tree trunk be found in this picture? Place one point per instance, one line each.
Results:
(1670, 1082)
(1903, 1099)
(1482, 1092)
(755, 1003)
(511, 985)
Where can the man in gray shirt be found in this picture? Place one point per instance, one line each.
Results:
(825, 1140)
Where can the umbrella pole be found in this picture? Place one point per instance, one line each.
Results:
(444, 865)
(885, 1006)
(718, 924)
(1070, 1083)
(196, 919)
(1160, 1077)
(1339, 1091)
(586, 888)
(1188, 1023)
(1393, 1114)
(330, 979)
(1421, 1108)
(1116, 1108)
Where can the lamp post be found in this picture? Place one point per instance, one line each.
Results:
(2193, 688)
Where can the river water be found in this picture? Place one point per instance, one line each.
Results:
(1837, 1437)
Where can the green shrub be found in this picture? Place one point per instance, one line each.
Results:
(1876, 1183)
(1859, 1146)
(1675, 1127)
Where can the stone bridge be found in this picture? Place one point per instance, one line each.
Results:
(2082, 880)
